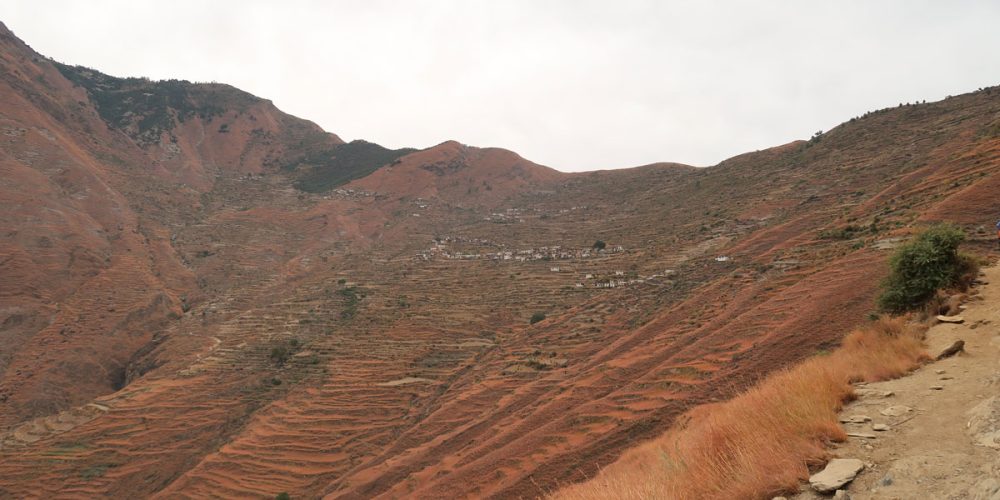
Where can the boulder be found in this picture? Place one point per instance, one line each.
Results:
(837, 473)
(952, 305)
(957, 347)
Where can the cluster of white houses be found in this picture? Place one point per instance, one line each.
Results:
(349, 193)
(439, 249)
(509, 216)
(515, 215)
(619, 280)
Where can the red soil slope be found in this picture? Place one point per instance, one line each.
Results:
(459, 175)
(178, 320)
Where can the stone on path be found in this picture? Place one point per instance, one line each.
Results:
(987, 489)
(837, 473)
(896, 411)
(880, 427)
(841, 495)
(865, 393)
(954, 349)
(950, 319)
(984, 423)
(862, 435)
(855, 419)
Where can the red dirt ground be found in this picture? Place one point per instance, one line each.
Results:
(172, 326)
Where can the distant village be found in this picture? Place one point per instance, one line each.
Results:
(441, 249)
(350, 193)
(516, 215)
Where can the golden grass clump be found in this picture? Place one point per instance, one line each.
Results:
(762, 442)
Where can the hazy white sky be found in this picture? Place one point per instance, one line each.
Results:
(574, 84)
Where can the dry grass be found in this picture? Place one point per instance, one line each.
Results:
(761, 443)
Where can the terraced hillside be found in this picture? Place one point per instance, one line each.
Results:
(226, 302)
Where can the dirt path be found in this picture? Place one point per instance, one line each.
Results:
(947, 445)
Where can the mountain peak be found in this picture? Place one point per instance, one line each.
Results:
(460, 174)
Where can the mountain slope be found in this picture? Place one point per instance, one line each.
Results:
(459, 174)
(202, 296)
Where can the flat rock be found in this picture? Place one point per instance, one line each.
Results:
(984, 423)
(896, 411)
(950, 319)
(937, 387)
(855, 419)
(987, 489)
(880, 427)
(837, 473)
(873, 393)
(862, 435)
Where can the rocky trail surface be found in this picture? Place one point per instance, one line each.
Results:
(935, 433)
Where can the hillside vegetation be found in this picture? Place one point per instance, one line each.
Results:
(928, 263)
(323, 170)
(192, 304)
(762, 443)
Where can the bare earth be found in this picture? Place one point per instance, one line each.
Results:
(946, 446)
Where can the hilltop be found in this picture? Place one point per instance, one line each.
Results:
(201, 295)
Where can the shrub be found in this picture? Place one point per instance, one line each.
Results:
(279, 355)
(843, 233)
(928, 262)
(599, 245)
(535, 318)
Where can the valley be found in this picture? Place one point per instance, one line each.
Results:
(201, 296)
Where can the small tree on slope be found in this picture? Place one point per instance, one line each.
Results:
(928, 262)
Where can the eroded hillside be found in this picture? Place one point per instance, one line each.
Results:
(203, 296)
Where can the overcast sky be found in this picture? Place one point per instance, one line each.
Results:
(575, 85)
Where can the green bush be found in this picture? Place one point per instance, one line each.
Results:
(928, 262)
(535, 318)
(600, 245)
(279, 355)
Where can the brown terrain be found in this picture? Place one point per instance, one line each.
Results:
(202, 296)
(935, 433)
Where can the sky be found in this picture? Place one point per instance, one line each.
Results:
(572, 84)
